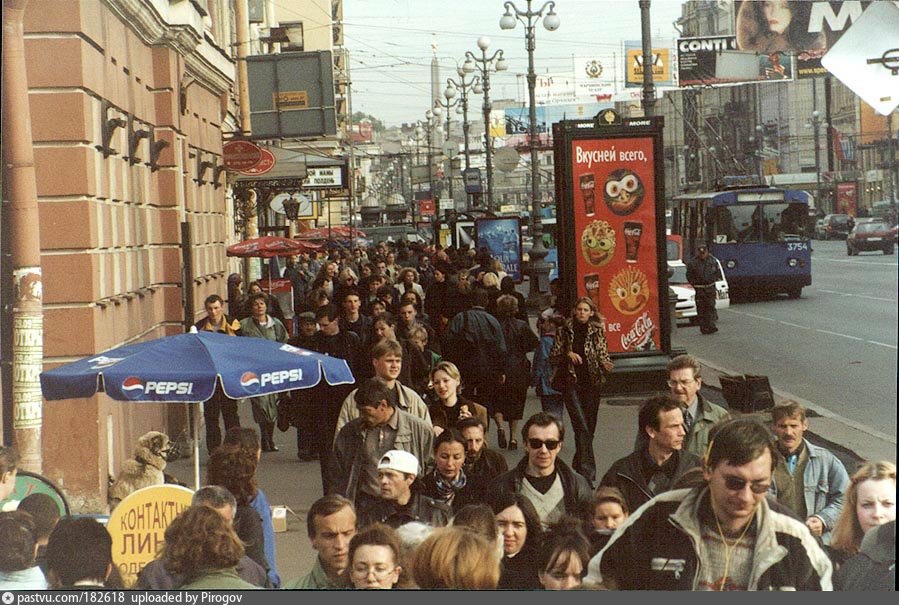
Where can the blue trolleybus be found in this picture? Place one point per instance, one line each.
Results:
(760, 235)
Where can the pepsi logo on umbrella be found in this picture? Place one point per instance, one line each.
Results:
(250, 382)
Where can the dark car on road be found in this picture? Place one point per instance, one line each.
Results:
(870, 235)
(834, 226)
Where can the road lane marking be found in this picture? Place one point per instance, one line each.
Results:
(753, 315)
(787, 323)
(881, 344)
(838, 334)
(853, 262)
(829, 332)
(892, 300)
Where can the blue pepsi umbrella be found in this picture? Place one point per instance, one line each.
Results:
(186, 367)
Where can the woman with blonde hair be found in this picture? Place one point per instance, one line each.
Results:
(870, 501)
(446, 406)
(347, 281)
(201, 547)
(456, 558)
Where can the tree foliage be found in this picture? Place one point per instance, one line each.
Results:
(376, 124)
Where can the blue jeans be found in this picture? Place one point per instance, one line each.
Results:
(582, 404)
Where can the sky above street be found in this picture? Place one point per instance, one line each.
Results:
(390, 44)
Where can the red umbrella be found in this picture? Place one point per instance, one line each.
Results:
(269, 246)
(340, 231)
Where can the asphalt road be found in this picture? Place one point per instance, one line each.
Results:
(836, 346)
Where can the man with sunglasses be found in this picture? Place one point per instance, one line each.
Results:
(656, 466)
(552, 486)
(721, 535)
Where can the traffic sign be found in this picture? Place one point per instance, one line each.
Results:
(506, 159)
(241, 155)
(472, 178)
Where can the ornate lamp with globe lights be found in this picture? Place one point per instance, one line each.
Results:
(539, 269)
(483, 65)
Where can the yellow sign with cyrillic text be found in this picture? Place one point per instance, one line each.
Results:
(137, 526)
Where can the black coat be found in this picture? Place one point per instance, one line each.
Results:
(420, 508)
(627, 475)
(576, 488)
(520, 572)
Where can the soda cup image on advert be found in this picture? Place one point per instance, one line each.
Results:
(591, 284)
(633, 230)
(588, 191)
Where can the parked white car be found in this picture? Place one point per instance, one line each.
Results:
(685, 309)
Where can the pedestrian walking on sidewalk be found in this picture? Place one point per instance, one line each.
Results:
(520, 340)
(541, 372)
(702, 273)
(809, 480)
(719, 535)
(262, 325)
(580, 360)
(220, 405)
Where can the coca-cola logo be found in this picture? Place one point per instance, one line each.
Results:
(639, 337)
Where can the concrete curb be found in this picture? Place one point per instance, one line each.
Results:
(862, 442)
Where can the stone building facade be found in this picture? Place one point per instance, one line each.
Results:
(128, 99)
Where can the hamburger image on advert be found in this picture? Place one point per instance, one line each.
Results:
(598, 243)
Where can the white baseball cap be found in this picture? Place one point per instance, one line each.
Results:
(400, 461)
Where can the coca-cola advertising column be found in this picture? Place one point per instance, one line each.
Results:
(613, 234)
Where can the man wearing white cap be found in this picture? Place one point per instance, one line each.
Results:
(398, 503)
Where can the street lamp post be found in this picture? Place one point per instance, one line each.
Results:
(483, 65)
(539, 269)
(815, 125)
(448, 94)
(463, 88)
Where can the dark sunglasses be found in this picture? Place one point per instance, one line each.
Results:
(536, 444)
(735, 484)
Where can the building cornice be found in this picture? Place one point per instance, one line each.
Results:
(178, 25)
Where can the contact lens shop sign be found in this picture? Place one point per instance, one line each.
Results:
(611, 206)
(137, 526)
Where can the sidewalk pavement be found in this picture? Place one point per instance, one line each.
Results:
(289, 482)
(295, 484)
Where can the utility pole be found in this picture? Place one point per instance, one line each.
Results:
(351, 170)
(649, 91)
(242, 17)
(20, 185)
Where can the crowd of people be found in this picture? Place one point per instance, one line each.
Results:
(413, 497)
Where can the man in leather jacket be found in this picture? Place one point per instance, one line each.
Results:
(399, 504)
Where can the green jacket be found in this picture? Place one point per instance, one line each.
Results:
(219, 579)
(265, 407)
(708, 414)
(316, 579)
